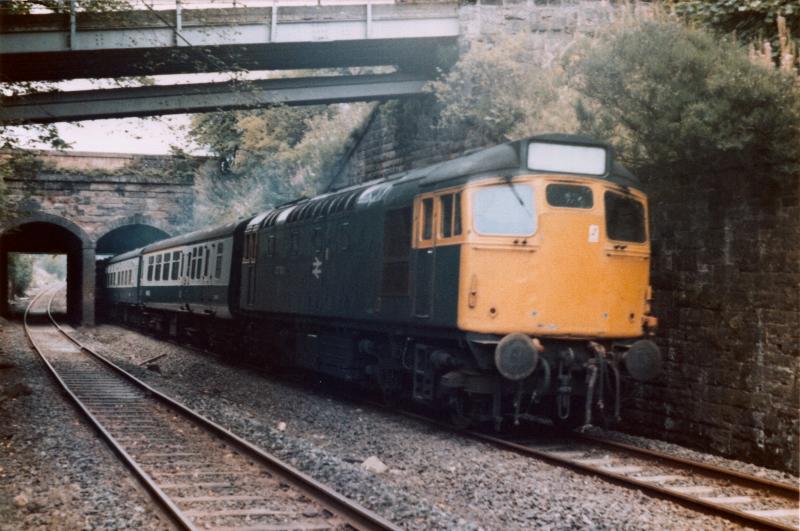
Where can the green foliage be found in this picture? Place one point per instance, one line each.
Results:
(269, 156)
(16, 163)
(677, 101)
(509, 88)
(19, 7)
(750, 20)
(55, 264)
(20, 273)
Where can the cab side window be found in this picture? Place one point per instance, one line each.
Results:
(450, 215)
(427, 218)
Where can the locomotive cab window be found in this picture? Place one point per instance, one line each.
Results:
(450, 215)
(624, 218)
(427, 219)
(569, 196)
(504, 210)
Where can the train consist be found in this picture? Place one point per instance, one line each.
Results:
(508, 282)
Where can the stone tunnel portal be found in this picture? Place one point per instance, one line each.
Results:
(53, 235)
(128, 237)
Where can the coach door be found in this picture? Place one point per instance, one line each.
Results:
(425, 250)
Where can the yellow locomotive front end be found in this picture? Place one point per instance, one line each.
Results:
(553, 283)
(566, 258)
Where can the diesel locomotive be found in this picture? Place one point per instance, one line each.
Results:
(512, 281)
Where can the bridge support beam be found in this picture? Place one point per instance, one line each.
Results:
(206, 97)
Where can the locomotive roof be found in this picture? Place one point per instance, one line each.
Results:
(504, 160)
(511, 159)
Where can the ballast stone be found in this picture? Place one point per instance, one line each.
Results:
(374, 465)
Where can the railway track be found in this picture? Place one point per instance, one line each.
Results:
(202, 475)
(746, 499)
(750, 500)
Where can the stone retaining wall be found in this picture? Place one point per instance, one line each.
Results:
(102, 191)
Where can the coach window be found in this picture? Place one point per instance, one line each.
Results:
(205, 263)
(218, 265)
(158, 268)
(192, 262)
(271, 246)
(149, 268)
(176, 257)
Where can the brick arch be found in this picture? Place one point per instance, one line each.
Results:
(68, 238)
(44, 217)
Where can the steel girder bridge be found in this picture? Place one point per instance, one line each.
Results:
(185, 37)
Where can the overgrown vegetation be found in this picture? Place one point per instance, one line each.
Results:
(673, 100)
(509, 88)
(677, 101)
(751, 21)
(20, 273)
(269, 156)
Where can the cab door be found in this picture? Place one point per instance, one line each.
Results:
(425, 251)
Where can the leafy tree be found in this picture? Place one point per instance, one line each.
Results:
(678, 101)
(750, 20)
(505, 89)
(55, 264)
(20, 273)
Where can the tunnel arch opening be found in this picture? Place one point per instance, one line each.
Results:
(127, 237)
(48, 234)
